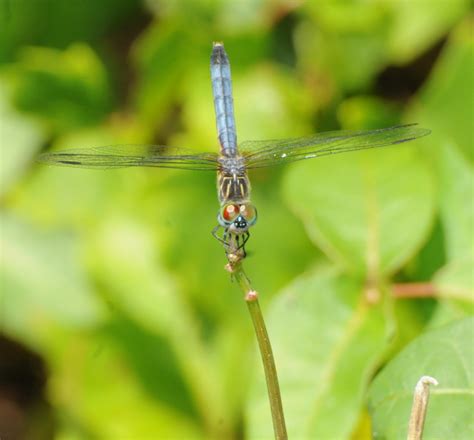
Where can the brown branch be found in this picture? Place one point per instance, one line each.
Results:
(414, 290)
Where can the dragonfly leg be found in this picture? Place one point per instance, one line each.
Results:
(246, 238)
(232, 242)
(214, 234)
(226, 239)
(240, 240)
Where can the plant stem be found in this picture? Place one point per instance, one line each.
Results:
(273, 388)
(418, 410)
(414, 290)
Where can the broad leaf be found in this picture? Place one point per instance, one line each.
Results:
(456, 196)
(127, 264)
(456, 280)
(369, 211)
(327, 340)
(445, 106)
(65, 89)
(449, 92)
(415, 27)
(455, 286)
(42, 281)
(447, 355)
(20, 139)
(99, 396)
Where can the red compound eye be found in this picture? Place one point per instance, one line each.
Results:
(249, 212)
(230, 212)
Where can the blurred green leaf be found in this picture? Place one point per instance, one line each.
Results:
(98, 397)
(367, 111)
(280, 108)
(371, 213)
(327, 340)
(455, 286)
(58, 24)
(445, 106)
(153, 361)
(340, 61)
(445, 354)
(430, 258)
(418, 25)
(20, 138)
(344, 16)
(456, 280)
(445, 102)
(449, 311)
(221, 19)
(456, 196)
(80, 198)
(344, 43)
(126, 263)
(42, 281)
(123, 258)
(64, 89)
(162, 55)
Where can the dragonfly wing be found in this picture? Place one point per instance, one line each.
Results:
(260, 154)
(121, 156)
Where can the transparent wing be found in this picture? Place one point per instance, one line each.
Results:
(121, 156)
(261, 154)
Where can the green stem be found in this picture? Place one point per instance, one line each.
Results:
(251, 297)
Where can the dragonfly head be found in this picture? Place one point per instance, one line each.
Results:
(237, 217)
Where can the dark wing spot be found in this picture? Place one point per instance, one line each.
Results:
(70, 162)
(401, 141)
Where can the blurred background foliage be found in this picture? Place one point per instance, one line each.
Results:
(117, 317)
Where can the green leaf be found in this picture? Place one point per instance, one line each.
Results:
(127, 264)
(280, 106)
(455, 286)
(64, 89)
(333, 67)
(447, 312)
(416, 26)
(57, 24)
(456, 196)
(445, 354)
(98, 396)
(62, 196)
(327, 340)
(369, 211)
(41, 280)
(456, 280)
(153, 362)
(21, 138)
(445, 106)
(161, 55)
(367, 111)
(449, 92)
(138, 287)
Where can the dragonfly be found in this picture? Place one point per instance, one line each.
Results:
(236, 214)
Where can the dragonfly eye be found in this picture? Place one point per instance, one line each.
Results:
(230, 212)
(249, 212)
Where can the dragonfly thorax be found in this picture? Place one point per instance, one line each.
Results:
(232, 186)
(232, 164)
